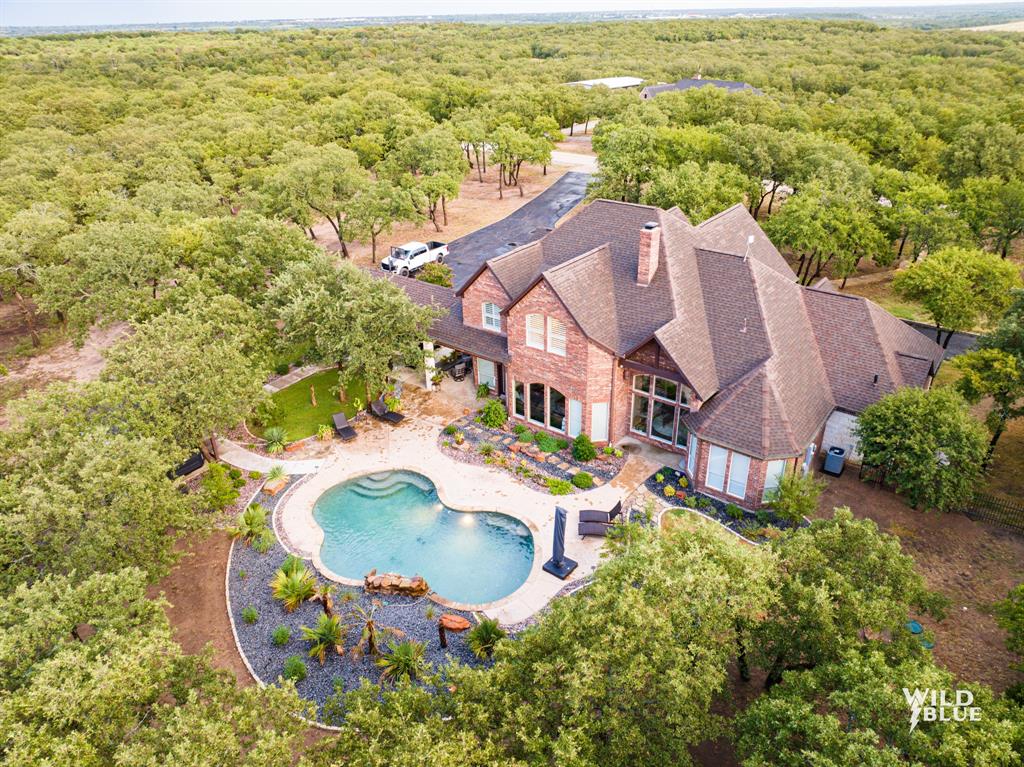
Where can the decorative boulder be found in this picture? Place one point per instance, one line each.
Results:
(393, 583)
(275, 487)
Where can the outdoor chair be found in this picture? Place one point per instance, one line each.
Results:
(604, 517)
(342, 427)
(459, 371)
(379, 410)
(594, 528)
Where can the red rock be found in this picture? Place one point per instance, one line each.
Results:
(453, 622)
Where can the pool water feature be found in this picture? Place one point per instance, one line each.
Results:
(394, 521)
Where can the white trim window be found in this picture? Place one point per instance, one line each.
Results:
(773, 476)
(739, 470)
(556, 336)
(486, 373)
(491, 316)
(717, 458)
(691, 456)
(535, 331)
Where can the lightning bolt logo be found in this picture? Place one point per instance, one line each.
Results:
(916, 702)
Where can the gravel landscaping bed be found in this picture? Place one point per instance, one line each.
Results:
(521, 459)
(249, 577)
(756, 527)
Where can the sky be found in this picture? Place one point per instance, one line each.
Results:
(16, 13)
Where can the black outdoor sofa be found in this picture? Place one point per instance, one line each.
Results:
(596, 522)
(379, 410)
(342, 427)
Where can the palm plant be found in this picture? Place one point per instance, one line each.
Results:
(293, 587)
(292, 564)
(327, 633)
(404, 661)
(483, 637)
(371, 634)
(275, 438)
(324, 594)
(252, 524)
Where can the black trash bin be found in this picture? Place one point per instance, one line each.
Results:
(835, 461)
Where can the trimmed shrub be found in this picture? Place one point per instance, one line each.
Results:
(218, 488)
(281, 636)
(608, 450)
(282, 368)
(583, 480)
(250, 615)
(294, 668)
(659, 477)
(493, 414)
(583, 448)
(547, 443)
(559, 486)
(669, 491)
(684, 482)
(734, 511)
(450, 429)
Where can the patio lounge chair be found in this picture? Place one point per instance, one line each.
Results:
(459, 371)
(594, 528)
(380, 411)
(604, 517)
(342, 427)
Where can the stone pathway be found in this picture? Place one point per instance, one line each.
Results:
(277, 383)
(240, 458)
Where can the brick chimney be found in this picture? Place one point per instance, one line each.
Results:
(647, 264)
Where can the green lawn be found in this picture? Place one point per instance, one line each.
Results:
(296, 414)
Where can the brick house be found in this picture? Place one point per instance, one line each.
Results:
(628, 321)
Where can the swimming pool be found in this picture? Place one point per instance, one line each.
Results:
(393, 521)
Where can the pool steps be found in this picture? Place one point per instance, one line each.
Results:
(382, 485)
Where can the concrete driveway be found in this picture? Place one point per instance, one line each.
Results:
(531, 222)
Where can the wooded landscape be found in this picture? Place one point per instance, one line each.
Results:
(172, 182)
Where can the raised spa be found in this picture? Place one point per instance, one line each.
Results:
(394, 522)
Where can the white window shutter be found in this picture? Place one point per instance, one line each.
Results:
(535, 331)
(556, 336)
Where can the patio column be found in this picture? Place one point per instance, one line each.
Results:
(428, 364)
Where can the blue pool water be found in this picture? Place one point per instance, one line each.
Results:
(394, 522)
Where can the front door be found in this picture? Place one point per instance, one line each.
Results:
(599, 421)
(501, 380)
(575, 417)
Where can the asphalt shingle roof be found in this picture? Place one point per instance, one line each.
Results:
(768, 358)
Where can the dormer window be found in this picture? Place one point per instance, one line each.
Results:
(491, 316)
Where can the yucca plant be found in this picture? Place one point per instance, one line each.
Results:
(404, 660)
(275, 474)
(276, 438)
(483, 637)
(328, 633)
(293, 588)
(371, 635)
(252, 524)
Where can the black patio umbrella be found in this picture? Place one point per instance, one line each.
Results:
(559, 565)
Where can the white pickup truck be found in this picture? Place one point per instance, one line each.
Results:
(406, 259)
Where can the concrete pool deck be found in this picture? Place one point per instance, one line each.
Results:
(412, 446)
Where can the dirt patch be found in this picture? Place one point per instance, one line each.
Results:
(972, 563)
(477, 206)
(198, 611)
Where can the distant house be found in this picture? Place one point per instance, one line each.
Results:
(629, 321)
(697, 82)
(612, 83)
